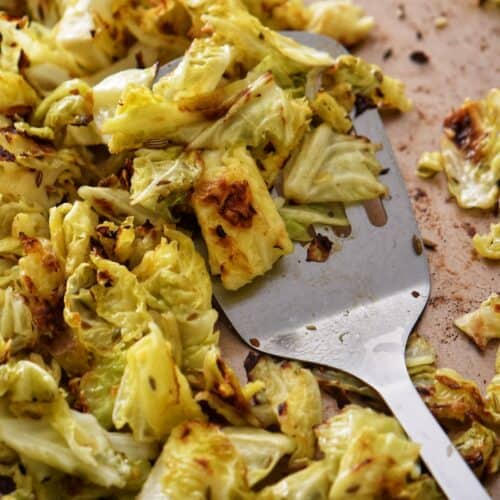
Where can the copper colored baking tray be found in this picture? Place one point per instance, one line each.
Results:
(464, 61)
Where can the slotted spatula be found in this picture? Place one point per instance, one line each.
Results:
(356, 311)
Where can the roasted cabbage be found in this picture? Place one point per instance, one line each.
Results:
(488, 245)
(112, 384)
(331, 167)
(244, 232)
(482, 324)
(470, 153)
(294, 395)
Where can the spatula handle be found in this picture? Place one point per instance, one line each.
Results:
(449, 469)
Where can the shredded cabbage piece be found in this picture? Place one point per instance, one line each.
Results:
(488, 245)
(482, 324)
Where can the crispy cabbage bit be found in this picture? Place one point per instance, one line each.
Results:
(470, 149)
(350, 76)
(299, 218)
(331, 167)
(42, 284)
(488, 245)
(197, 460)
(451, 397)
(482, 324)
(223, 393)
(294, 395)
(68, 113)
(370, 453)
(331, 112)
(162, 26)
(477, 445)
(243, 231)
(154, 396)
(126, 243)
(261, 450)
(340, 19)
(16, 96)
(430, 164)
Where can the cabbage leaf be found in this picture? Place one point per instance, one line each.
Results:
(198, 459)
(332, 167)
(241, 227)
(154, 396)
(488, 245)
(294, 395)
(482, 324)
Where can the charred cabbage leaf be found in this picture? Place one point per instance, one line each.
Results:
(272, 139)
(197, 458)
(477, 445)
(37, 171)
(451, 397)
(115, 204)
(235, 25)
(241, 227)
(223, 393)
(372, 456)
(482, 324)
(350, 76)
(470, 152)
(294, 395)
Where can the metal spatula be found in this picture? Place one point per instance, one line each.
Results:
(363, 303)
